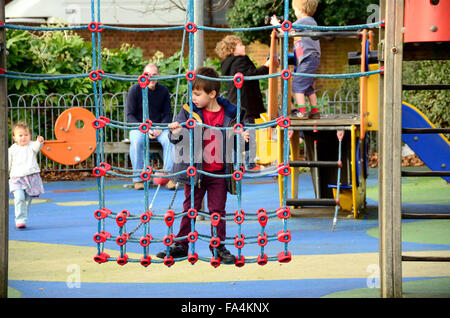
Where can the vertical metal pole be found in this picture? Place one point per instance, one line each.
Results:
(199, 44)
(389, 178)
(4, 205)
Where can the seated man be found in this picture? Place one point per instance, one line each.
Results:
(160, 111)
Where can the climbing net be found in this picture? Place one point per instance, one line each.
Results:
(141, 234)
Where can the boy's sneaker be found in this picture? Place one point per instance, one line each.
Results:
(225, 256)
(175, 251)
(315, 115)
(301, 115)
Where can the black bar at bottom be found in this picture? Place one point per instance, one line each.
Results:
(425, 130)
(423, 87)
(303, 202)
(425, 258)
(313, 163)
(425, 173)
(425, 216)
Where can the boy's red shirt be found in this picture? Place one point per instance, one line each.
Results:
(214, 119)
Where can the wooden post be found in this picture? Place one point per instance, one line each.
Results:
(4, 199)
(389, 178)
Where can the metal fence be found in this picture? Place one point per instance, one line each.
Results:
(41, 112)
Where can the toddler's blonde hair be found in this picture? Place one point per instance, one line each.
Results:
(21, 124)
(307, 6)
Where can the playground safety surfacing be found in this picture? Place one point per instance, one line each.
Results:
(53, 256)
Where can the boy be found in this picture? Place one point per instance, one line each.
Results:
(214, 111)
(307, 53)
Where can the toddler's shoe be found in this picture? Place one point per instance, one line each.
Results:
(21, 226)
(301, 115)
(315, 115)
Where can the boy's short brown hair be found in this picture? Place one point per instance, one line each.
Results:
(206, 84)
(227, 46)
(307, 6)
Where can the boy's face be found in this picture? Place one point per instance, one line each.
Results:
(298, 13)
(21, 136)
(202, 98)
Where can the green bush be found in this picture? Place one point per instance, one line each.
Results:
(433, 103)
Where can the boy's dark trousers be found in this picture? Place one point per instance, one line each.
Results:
(216, 191)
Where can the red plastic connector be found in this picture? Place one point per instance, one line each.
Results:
(101, 258)
(215, 242)
(98, 172)
(284, 237)
(191, 27)
(147, 174)
(144, 128)
(238, 175)
(238, 128)
(192, 236)
(192, 258)
(101, 237)
(262, 216)
(286, 25)
(284, 170)
(105, 119)
(286, 74)
(240, 261)
(121, 219)
(168, 261)
(95, 26)
(190, 76)
(145, 261)
(146, 216)
(122, 239)
(284, 257)
(98, 123)
(96, 75)
(122, 260)
(283, 122)
(105, 166)
(238, 80)
(168, 239)
(192, 213)
(215, 219)
(191, 171)
(262, 259)
(215, 262)
(239, 242)
(102, 213)
(284, 213)
(145, 240)
(262, 239)
(169, 217)
(143, 80)
(190, 123)
(239, 216)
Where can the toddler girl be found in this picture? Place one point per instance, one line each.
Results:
(24, 179)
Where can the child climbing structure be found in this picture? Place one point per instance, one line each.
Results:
(112, 225)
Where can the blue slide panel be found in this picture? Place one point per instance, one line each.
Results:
(432, 149)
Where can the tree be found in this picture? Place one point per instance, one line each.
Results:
(251, 13)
